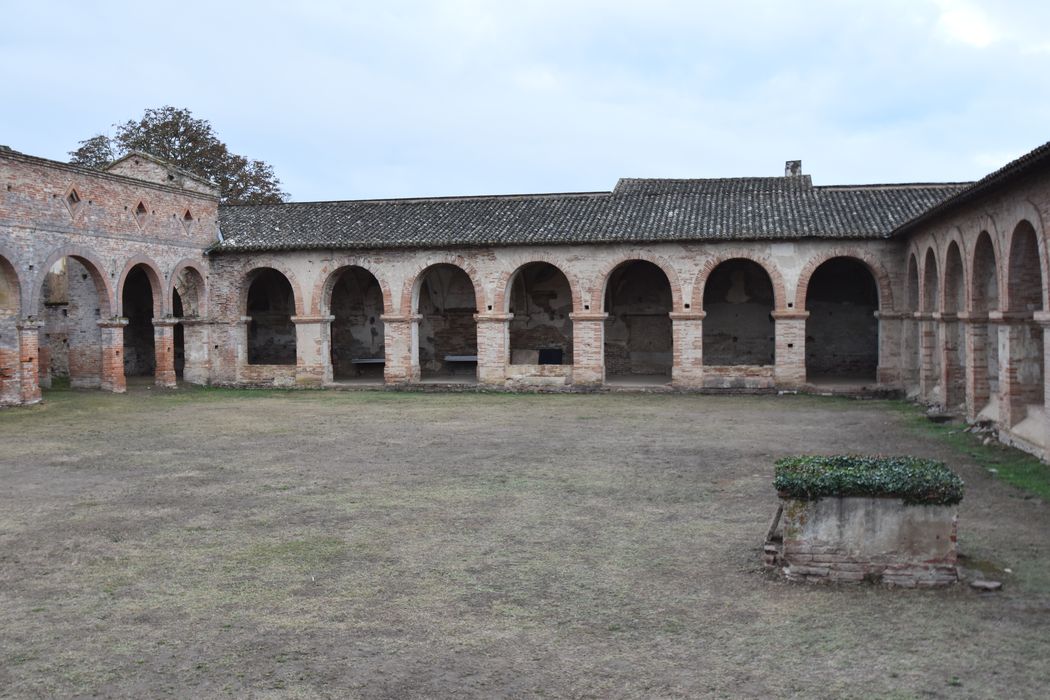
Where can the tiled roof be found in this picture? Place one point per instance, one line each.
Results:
(637, 211)
(1036, 158)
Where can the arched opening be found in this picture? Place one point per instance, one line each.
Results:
(738, 326)
(73, 299)
(931, 331)
(448, 333)
(842, 332)
(356, 303)
(985, 290)
(140, 358)
(954, 359)
(541, 330)
(191, 349)
(638, 334)
(271, 305)
(10, 306)
(1024, 297)
(910, 345)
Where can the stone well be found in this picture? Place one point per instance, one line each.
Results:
(867, 539)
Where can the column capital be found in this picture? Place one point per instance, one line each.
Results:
(972, 317)
(789, 315)
(892, 315)
(946, 316)
(688, 315)
(924, 316)
(400, 318)
(115, 322)
(29, 324)
(312, 319)
(588, 316)
(1010, 316)
(493, 318)
(1042, 318)
(167, 321)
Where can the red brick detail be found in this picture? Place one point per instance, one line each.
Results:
(86, 258)
(164, 349)
(257, 266)
(156, 285)
(501, 291)
(112, 378)
(328, 275)
(601, 280)
(874, 265)
(27, 362)
(201, 302)
(771, 268)
(410, 292)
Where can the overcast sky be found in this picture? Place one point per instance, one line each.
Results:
(390, 99)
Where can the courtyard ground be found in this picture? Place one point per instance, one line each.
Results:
(374, 544)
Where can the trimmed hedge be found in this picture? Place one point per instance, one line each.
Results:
(912, 479)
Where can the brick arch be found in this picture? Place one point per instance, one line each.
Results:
(771, 269)
(94, 268)
(912, 303)
(874, 265)
(156, 285)
(1023, 212)
(501, 294)
(925, 304)
(971, 297)
(8, 266)
(954, 237)
(602, 278)
(410, 292)
(321, 299)
(249, 276)
(202, 301)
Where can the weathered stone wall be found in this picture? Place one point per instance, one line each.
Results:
(874, 539)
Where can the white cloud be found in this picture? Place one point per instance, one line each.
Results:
(960, 21)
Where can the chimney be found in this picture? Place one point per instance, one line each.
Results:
(792, 168)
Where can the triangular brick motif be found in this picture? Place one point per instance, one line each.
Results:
(140, 214)
(73, 201)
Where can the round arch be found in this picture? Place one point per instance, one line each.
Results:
(258, 266)
(11, 290)
(329, 276)
(413, 283)
(156, 283)
(502, 292)
(1024, 270)
(190, 268)
(878, 272)
(599, 292)
(94, 269)
(1022, 212)
(771, 270)
(929, 281)
(953, 287)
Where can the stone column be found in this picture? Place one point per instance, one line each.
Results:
(951, 375)
(1042, 318)
(112, 332)
(687, 327)
(890, 370)
(927, 346)
(1013, 326)
(588, 347)
(164, 351)
(313, 354)
(29, 360)
(401, 342)
(789, 368)
(975, 337)
(493, 347)
(196, 351)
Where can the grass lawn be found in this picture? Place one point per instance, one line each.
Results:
(379, 544)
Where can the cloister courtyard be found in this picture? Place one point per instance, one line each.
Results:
(249, 543)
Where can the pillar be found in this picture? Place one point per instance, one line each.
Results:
(28, 368)
(789, 360)
(1013, 327)
(401, 341)
(687, 328)
(927, 347)
(1042, 318)
(951, 376)
(164, 352)
(313, 354)
(196, 351)
(588, 347)
(890, 370)
(975, 338)
(112, 341)
(493, 347)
